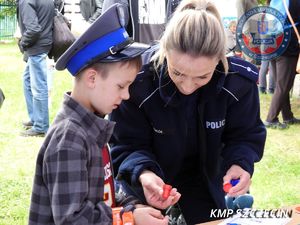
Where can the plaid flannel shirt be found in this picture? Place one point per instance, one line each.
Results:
(69, 176)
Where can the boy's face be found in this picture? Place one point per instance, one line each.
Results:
(109, 92)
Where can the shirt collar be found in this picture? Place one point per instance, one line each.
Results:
(98, 128)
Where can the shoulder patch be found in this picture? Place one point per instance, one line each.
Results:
(244, 68)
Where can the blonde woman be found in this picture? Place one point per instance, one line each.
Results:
(192, 120)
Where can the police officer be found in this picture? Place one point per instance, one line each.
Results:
(192, 120)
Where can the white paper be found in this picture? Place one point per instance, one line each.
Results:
(236, 220)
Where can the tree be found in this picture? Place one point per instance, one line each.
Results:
(7, 8)
(262, 2)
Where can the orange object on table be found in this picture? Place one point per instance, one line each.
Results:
(127, 217)
(116, 216)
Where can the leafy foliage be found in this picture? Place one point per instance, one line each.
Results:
(262, 2)
(7, 8)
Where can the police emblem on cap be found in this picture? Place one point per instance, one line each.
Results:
(106, 40)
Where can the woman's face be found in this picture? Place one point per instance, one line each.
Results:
(189, 72)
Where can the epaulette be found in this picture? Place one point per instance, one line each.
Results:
(242, 67)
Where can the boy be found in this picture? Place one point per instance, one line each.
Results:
(73, 182)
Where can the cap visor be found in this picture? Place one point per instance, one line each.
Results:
(131, 51)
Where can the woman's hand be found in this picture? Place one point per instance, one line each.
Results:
(153, 190)
(236, 172)
(148, 215)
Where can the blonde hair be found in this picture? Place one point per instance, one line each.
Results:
(195, 29)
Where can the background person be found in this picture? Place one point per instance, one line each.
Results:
(182, 124)
(284, 71)
(50, 79)
(73, 181)
(35, 20)
(2, 97)
(90, 9)
(265, 86)
(82, 13)
(147, 18)
(242, 7)
(231, 37)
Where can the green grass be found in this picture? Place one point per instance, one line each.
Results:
(276, 181)
(18, 154)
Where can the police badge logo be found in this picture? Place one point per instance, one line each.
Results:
(263, 33)
(262, 27)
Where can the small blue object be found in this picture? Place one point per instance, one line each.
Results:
(234, 182)
(240, 202)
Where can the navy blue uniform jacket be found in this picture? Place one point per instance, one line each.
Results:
(151, 130)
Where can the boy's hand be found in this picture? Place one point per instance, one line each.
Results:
(153, 191)
(236, 172)
(148, 215)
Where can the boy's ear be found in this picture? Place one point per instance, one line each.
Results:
(90, 78)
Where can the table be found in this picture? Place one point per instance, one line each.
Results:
(295, 217)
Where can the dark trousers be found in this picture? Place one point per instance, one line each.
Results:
(284, 71)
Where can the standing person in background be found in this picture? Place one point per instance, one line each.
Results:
(2, 97)
(147, 18)
(231, 37)
(265, 86)
(182, 124)
(82, 13)
(59, 5)
(171, 7)
(90, 9)
(284, 71)
(242, 7)
(50, 79)
(265, 69)
(36, 21)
